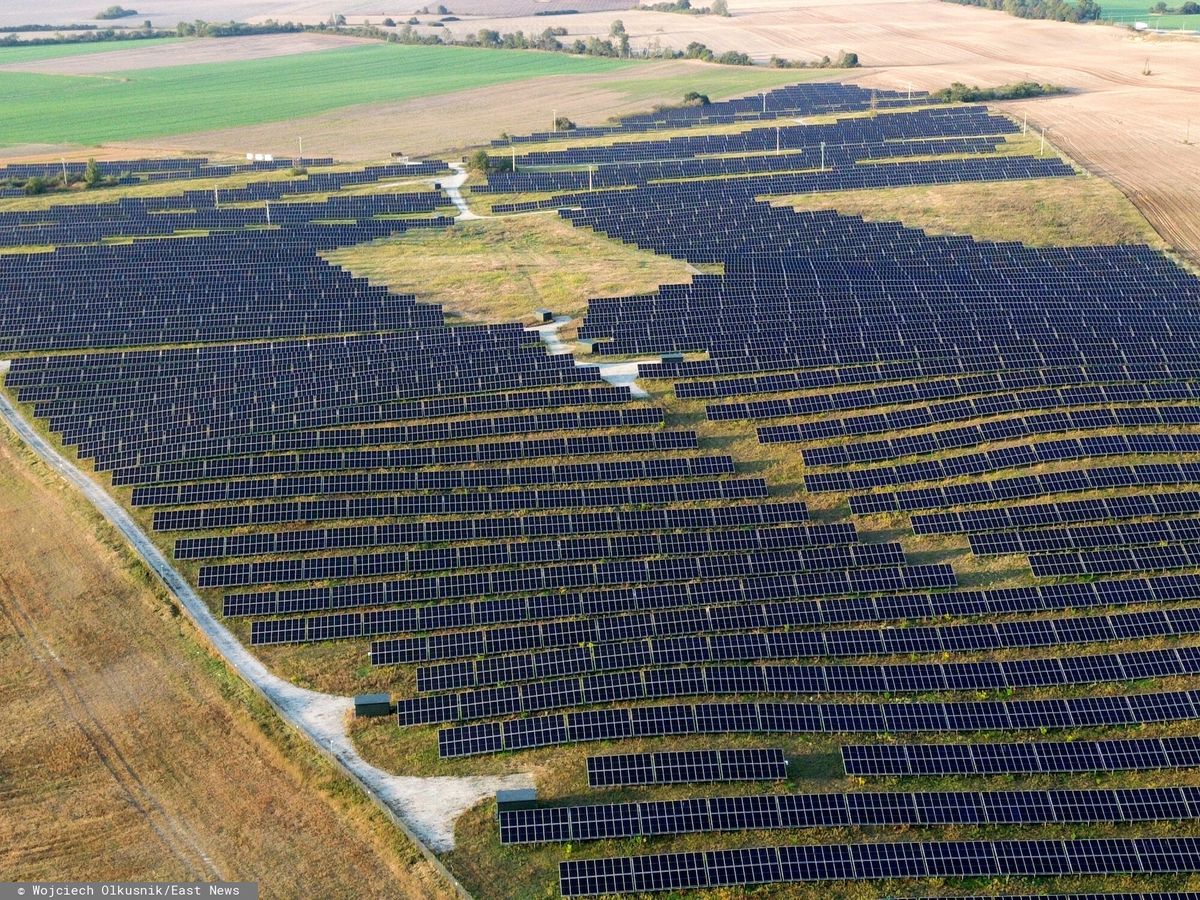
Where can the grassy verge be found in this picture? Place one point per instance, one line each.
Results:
(501, 270)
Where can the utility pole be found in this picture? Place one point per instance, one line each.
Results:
(591, 171)
(1042, 148)
(64, 165)
(216, 199)
(776, 138)
(300, 161)
(1024, 123)
(764, 101)
(514, 162)
(554, 120)
(822, 156)
(1187, 132)
(268, 205)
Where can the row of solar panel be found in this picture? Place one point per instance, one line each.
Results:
(787, 156)
(1028, 486)
(877, 860)
(687, 766)
(653, 818)
(969, 386)
(908, 388)
(731, 601)
(447, 350)
(965, 119)
(1068, 512)
(436, 480)
(1019, 456)
(656, 639)
(410, 457)
(124, 452)
(439, 349)
(447, 587)
(971, 407)
(65, 413)
(322, 568)
(238, 417)
(1115, 561)
(406, 505)
(616, 723)
(768, 680)
(1025, 758)
(1010, 429)
(1048, 540)
(465, 531)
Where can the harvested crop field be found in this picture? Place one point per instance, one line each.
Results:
(120, 731)
(159, 54)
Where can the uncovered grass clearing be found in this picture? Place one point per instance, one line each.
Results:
(500, 270)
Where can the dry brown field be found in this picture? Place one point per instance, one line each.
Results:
(128, 752)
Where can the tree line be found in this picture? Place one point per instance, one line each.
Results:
(616, 45)
(1059, 10)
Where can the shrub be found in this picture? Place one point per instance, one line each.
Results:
(115, 12)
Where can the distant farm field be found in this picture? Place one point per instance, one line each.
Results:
(37, 52)
(154, 102)
(1129, 11)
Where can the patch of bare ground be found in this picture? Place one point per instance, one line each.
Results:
(194, 51)
(129, 752)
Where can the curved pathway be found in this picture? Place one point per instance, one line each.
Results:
(452, 188)
(425, 808)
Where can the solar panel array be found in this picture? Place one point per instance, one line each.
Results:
(534, 557)
(791, 100)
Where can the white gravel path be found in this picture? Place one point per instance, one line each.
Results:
(621, 374)
(451, 187)
(427, 807)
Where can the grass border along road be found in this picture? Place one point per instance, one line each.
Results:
(58, 109)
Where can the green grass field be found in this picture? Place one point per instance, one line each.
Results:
(1126, 12)
(155, 102)
(57, 51)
